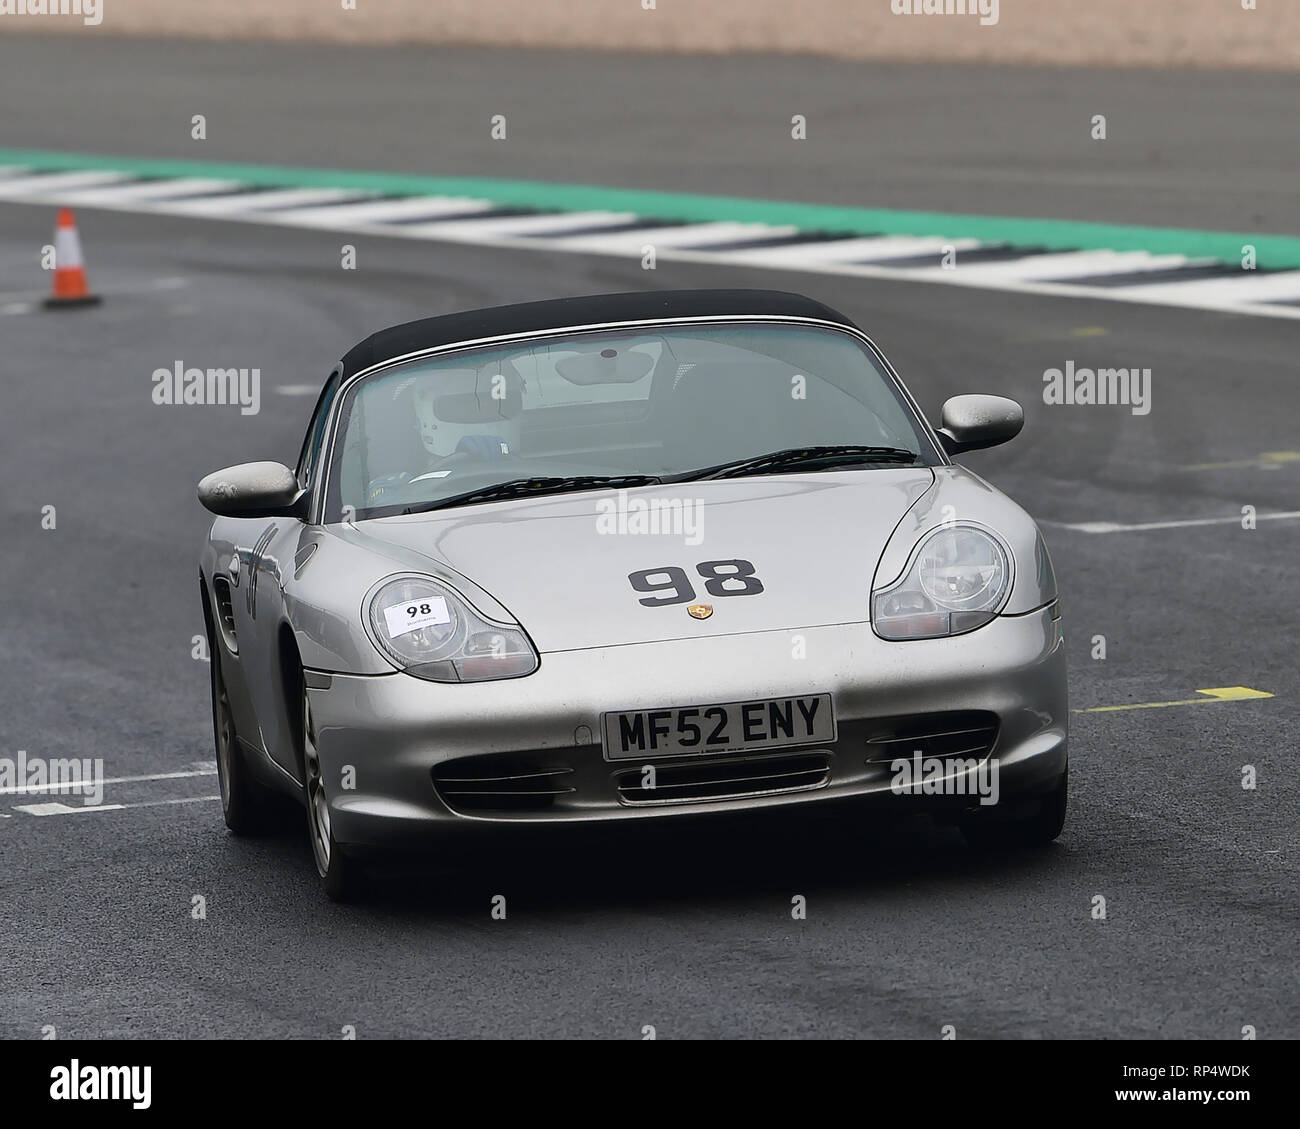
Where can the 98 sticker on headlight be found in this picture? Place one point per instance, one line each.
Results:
(730, 727)
(415, 615)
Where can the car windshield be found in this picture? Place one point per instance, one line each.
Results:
(569, 411)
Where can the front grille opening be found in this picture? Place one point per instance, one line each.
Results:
(961, 733)
(501, 783)
(718, 780)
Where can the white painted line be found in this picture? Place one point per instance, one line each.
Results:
(345, 216)
(304, 197)
(64, 809)
(256, 201)
(506, 227)
(136, 192)
(22, 186)
(1073, 264)
(698, 236)
(163, 776)
(848, 251)
(17, 308)
(1115, 527)
(693, 236)
(1245, 286)
(171, 803)
(562, 221)
(37, 789)
(534, 225)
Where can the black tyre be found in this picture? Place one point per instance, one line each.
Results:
(244, 802)
(340, 875)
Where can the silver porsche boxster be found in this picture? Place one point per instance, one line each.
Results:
(628, 557)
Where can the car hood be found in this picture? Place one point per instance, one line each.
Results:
(561, 564)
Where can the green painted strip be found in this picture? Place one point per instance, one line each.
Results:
(1274, 252)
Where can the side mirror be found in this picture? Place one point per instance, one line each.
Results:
(253, 490)
(971, 423)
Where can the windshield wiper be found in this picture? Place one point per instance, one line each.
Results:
(528, 487)
(804, 458)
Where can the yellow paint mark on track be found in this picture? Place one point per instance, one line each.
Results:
(1266, 460)
(1215, 694)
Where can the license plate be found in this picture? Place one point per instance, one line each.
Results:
(733, 727)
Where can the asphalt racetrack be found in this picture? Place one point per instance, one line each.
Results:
(686, 930)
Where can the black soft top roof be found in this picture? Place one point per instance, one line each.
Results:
(560, 313)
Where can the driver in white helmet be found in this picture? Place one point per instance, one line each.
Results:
(465, 418)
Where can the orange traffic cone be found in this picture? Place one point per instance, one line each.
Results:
(70, 288)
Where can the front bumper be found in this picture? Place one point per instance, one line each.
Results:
(388, 735)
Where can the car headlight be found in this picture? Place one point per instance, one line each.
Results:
(956, 581)
(428, 630)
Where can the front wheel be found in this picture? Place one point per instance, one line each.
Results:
(1036, 827)
(339, 874)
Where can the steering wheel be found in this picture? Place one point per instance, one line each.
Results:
(475, 449)
(452, 461)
